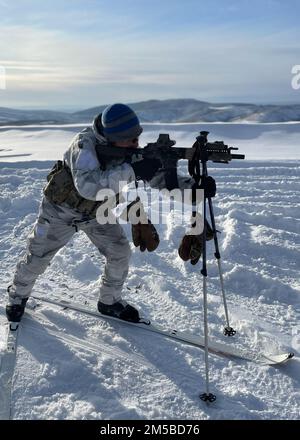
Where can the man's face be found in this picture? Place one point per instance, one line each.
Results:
(128, 143)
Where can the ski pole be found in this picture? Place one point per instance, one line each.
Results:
(228, 330)
(207, 396)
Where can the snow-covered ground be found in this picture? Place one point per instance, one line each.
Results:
(71, 366)
(257, 141)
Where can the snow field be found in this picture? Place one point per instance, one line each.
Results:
(75, 367)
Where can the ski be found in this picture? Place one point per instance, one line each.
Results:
(7, 367)
(197, 341)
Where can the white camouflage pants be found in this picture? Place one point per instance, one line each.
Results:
(53, 229)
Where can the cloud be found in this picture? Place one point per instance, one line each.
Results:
(202, 64)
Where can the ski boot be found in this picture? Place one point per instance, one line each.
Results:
(120, 310)
(15, 307)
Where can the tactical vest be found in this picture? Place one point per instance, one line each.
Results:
(60, 189)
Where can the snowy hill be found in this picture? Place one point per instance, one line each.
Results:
(21, 117)
(167, 111)
(191, 110)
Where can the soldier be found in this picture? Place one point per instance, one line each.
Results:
(70, 204)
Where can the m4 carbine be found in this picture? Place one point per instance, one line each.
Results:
(162, 149)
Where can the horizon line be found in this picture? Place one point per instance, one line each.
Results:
(74, 108)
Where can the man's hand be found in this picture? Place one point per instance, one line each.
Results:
(145, 169)
(145, 236)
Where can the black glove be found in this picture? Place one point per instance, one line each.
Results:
(145, 169)
(209, 186)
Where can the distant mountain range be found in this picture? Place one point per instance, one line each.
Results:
(168, 111)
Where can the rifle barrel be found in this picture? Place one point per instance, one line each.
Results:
(238, 156)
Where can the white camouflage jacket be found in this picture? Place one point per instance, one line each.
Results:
(89, 178)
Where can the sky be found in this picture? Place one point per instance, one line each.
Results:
(82, 53)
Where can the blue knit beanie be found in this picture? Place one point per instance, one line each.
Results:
(120, 123)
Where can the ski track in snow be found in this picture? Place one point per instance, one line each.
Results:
(71, 366)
